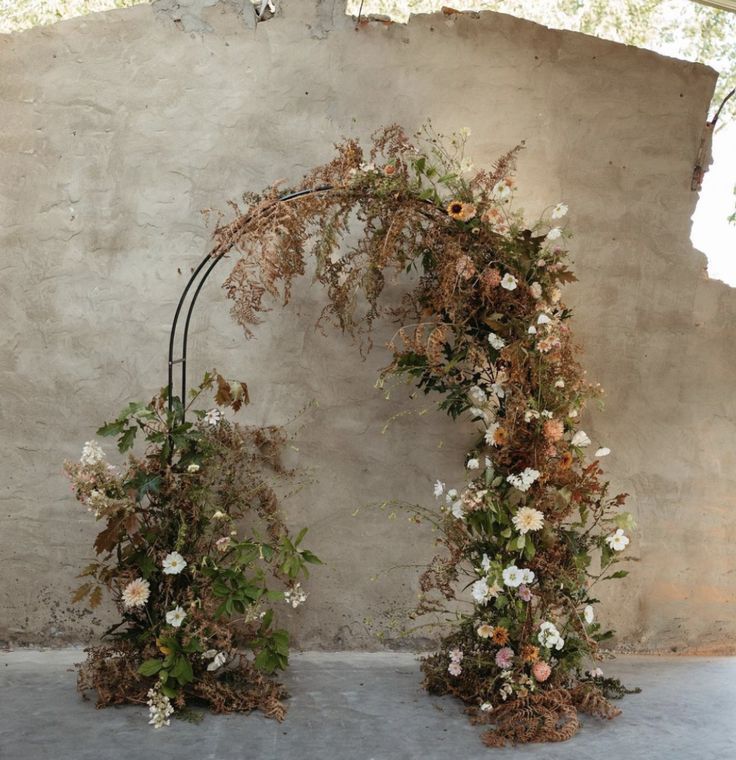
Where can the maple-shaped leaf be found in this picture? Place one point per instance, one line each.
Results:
(232, 394)
(95, 598)
(565, 276)
(81, 592)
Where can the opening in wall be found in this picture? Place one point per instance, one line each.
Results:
(712, 232)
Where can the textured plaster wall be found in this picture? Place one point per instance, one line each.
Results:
(119, 127)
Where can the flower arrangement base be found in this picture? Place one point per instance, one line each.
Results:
(196, 555)
(113, 673)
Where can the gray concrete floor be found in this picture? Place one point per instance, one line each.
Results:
(352, 706)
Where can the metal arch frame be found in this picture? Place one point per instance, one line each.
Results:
(203, 267)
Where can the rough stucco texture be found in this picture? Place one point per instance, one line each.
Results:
(120, 127)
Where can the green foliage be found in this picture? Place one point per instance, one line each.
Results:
(202, 492)
(16, 15)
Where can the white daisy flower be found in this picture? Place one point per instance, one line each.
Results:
(173, 563)
(513, 576)
(559, 211)
(618, 541)
(528, 519)
(136, 593)
(176, 616)
(509, 282)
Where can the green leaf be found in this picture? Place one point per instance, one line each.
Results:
(302, 533)
(195, 645)
(150, 667)
(266, 620)
(280, 640)
(529, 551)
(625, 521)
(266, 661)
(313, 559)
(167, 691)
(182, 671)
(127, 439)
(111, 428)
(617, 574)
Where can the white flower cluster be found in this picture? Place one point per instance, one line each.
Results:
(97, 502)
(456, 657)
(550, 637)
(514, 576)
(455, 504)
(159, 708)
(524, 480)
(482, 592)
(92, 453)
(295, 596)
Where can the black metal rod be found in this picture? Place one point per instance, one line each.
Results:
(182, 299)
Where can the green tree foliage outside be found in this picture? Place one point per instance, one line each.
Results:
(16, 15)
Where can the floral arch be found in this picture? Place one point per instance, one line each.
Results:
(482, 326)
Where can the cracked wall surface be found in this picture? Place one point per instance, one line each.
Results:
(118, 128)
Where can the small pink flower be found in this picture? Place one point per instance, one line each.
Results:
(541, 671)
(223, 544)
(454, 668)
(456, 655)
(524, 594)
(504, 657)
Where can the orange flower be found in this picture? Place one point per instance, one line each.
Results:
(529, 653)
(463, 212)
(566, 460)
(500, 436)
(500, 635)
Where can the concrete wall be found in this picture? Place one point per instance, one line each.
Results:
(119, 127)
